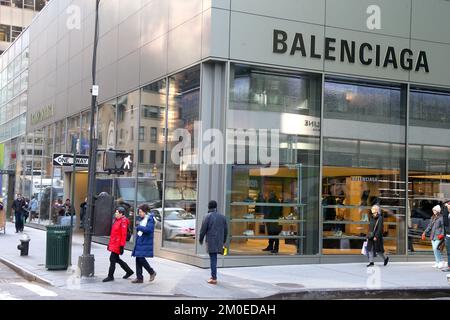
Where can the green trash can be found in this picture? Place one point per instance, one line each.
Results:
(58, 242)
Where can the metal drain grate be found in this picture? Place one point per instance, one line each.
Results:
(290, 285)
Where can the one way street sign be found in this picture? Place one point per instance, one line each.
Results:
(66, 160)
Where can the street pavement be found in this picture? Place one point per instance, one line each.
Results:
(176, 280)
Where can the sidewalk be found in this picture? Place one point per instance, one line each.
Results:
(176, 279)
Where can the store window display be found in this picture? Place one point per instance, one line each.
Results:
(429, 161)
(273, 212)
(363, 164)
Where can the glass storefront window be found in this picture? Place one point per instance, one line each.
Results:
(181, 178)
(429, 161)
(127, 119)
(50, 187)
(73, 134)
(106, 129)
(85, 131)
(273, 209)
(150, 173)
(363, 165)
(127, 108)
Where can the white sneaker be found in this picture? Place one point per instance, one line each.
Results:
(436, 265)
(441, 265)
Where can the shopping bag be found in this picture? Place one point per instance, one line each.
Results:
(364, 248)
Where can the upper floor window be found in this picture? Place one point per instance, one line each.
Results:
(36, 5)
(150, 112)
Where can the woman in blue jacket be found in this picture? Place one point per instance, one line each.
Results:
(144, 244)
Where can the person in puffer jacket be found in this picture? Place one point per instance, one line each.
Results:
(144, 244)
(117, 243)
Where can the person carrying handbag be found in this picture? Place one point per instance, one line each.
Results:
(436, 226)
(375, 245)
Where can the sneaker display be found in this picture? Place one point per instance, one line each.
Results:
(291, 216)
(338, 233)
(248, 233)
(249, 216)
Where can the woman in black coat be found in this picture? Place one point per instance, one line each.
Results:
(375, 245)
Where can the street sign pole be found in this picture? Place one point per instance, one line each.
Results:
(86, 261)
(72, 202)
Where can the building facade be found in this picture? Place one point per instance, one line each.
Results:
(15, 16)
(317, 116)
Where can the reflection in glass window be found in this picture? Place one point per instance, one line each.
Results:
(150, 174)
(73, 134)
(429, 161)
(363, 102)
(85, 131)
(363, 165)
(183, 111)
(271, 209)
(179, 224)
(126, 116)
(267, 90)
(106, 129)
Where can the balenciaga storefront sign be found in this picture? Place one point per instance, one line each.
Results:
(349, 51)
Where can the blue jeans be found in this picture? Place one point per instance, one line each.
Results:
(142, 262)
(213, 257)
(447, 247)
(436, 251)
(19, 221)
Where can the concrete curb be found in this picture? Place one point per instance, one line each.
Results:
(363, 293)
(137, 294)
(30, 276)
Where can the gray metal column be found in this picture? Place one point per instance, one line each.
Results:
(212, 109)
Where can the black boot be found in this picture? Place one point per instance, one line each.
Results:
(370, 265)
(107, 279)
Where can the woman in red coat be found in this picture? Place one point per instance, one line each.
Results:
(117, 243)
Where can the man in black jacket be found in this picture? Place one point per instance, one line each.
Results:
(214, 228)
(446, 216)
(273, 228)
(19, 210)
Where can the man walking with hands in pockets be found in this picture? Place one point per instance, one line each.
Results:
(214, 227)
